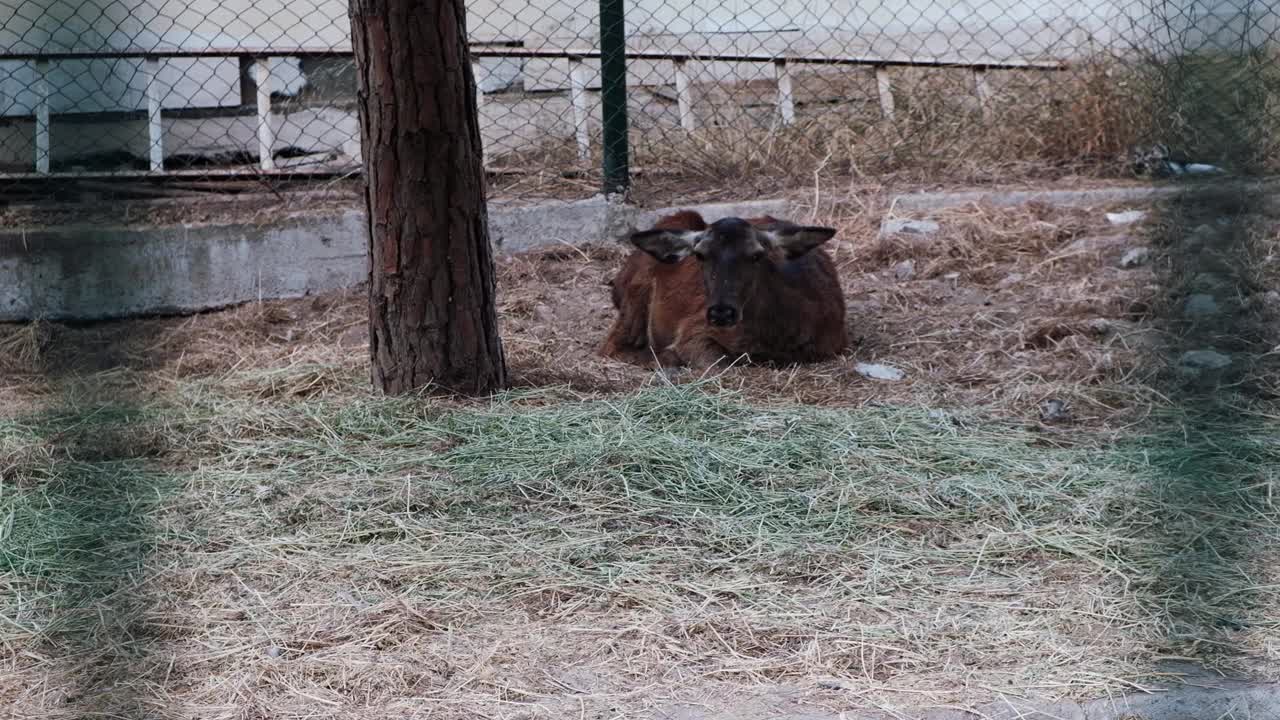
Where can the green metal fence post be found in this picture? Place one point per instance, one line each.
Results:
(613, 95)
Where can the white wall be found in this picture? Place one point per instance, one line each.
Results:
(967, 28)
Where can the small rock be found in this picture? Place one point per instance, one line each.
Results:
(1133, 257)
(879, 372)
(1209, 283)
(274, 652)
(543, 314)
(904, 270)
(355, 337)
(1094, 243)
(1200, 306)
(1100, 326)
(1204, 360)
(1199, 237)
(1009, 281)
(1127, 217)
(1201, 169)
(1054, 411)
(1272, 297)
(909, 227)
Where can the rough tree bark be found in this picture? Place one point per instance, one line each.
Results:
(432, 319)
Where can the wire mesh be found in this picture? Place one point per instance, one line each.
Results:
(153, 85)
(737, 92)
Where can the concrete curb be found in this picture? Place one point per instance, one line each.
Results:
(95, 273)
(1222, 701)
(926, 202)
(1185, 703)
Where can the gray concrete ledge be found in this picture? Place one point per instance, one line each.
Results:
(1092, 197)
(1226, 700)
(93, 272)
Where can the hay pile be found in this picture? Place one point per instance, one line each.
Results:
(212, 516)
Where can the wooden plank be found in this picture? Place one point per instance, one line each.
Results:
(579, 74)
(266, 133)
(43, 149)
(515, 52)
(885, 90)
(786, 93)
(983, 89)
(684, 96)
(155, 129)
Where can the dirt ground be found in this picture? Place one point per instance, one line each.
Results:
(1003, 308)
(1029, 318)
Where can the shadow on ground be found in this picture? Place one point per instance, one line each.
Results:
(80, 478)
(1215, 454)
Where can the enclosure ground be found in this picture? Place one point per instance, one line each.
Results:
(213, 517)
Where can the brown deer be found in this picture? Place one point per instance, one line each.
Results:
(693, 293)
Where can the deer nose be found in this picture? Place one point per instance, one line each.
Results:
(722, 315)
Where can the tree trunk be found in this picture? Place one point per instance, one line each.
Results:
(432, 320)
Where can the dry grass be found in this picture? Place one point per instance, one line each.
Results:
(212, 517)
(1039, 126)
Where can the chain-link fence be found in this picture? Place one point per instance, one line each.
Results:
(716, 91)
(209, 87)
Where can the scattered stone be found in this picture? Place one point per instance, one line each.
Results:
(543, 314)
(904, 270)
(1202, 169)
(909, 227)
(274, 652)
(1272, 297)
(1133, 257)
(1009, 281)
(357, 336)
(674, 374)
(1127, 217)
(879, 372)
(1209, 283)
(1095, 243)
(1100, 326)
(1199, 237)
(1054, 410)
(1204, 360)
(1200, 306)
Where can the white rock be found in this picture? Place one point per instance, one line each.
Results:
(1009, 281)
(879, 372)
(911, 227)
(1127, 217)
(1204, 360)
(1054, 411)
(1200, 306)
(904, 270)
(1134, 257)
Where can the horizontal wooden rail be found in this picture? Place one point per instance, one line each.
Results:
(489, 51)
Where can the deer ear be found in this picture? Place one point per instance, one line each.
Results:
(796, 240)
(668, 246)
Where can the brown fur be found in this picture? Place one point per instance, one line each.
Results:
(662, 309)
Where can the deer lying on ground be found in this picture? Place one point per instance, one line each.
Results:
(693, 293)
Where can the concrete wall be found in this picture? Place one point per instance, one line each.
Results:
(87, 272)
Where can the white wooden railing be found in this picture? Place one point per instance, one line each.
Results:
(579, 76)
